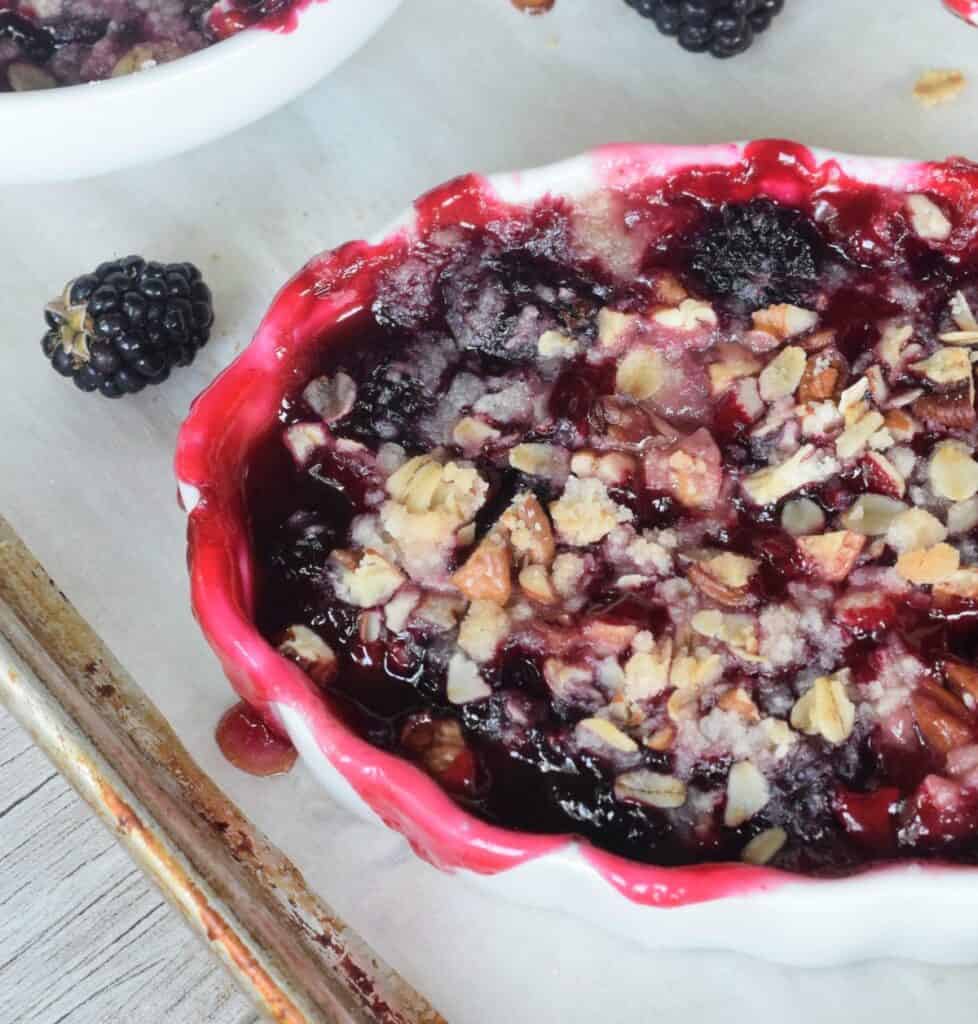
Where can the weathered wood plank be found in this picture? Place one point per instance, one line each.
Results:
(84, 937)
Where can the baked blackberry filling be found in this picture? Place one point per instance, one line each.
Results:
(670, 543)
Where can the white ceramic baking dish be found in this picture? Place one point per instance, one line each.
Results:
(923, 911)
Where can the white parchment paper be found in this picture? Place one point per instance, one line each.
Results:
(449, 86)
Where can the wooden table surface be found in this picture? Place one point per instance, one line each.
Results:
(85, 938)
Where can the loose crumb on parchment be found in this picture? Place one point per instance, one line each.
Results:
(939, 85)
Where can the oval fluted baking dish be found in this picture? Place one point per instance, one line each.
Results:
(911, 909)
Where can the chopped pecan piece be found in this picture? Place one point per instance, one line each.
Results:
(486, 574)
(942, 719)
(952, 409)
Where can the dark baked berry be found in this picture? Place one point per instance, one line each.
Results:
(722, 27)
(389, 404)
(35, 42)
(756, 254)
(127, 324)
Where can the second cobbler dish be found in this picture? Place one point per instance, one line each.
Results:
(651, 516)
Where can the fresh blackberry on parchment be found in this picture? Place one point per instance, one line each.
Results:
(723, 28)
(124, 326)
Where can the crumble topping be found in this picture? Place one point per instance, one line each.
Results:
(685, 559)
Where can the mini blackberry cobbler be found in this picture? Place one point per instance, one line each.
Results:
(667, 539)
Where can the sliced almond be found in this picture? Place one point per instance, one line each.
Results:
(607, 734)
(832, 555)
(695, 671)
(537, 459)
(486, 575)
(825, 710)
(915, 528)
(652, 789)
(808, 465)
(959, 337)
(802, 516)
(961, 313)
(878, 387)
(852, 398)
(471, 434)
(893, 342)
(959, 586)
(928, 219)
(765, 846)
(953, 472)
(962, 517)
(781, 377)
(945, 366)
(872, 514)
(747, 793)
(927, 566)
(856, 437)
(689, 315)
(464, 684)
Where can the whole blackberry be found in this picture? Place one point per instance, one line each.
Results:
(125, 325)
(756, 254)
(389, 404)
(34, 42)
(723, 27)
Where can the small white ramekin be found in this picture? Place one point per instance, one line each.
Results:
(81, 130)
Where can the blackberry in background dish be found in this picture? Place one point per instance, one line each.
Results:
(722, 27)
(127, 324)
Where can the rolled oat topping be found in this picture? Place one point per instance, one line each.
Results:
(683, 559)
